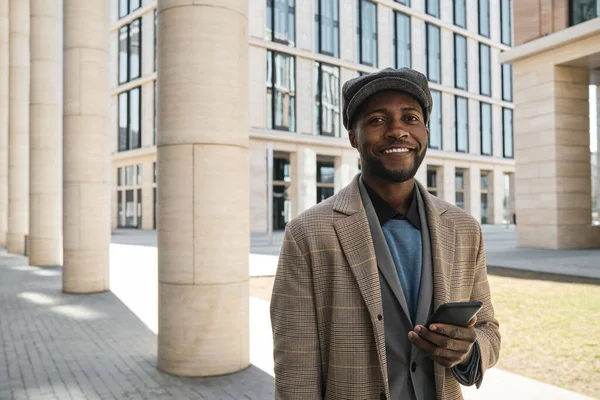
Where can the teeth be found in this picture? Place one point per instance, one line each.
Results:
(397, 150)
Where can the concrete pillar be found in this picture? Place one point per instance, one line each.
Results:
(421, 174)
(385, 34)
(448, 182)
(45, 180)
(18, 127)
(473, 192)
(346, 167)
(552, 157)
(203, 299)
(496, 203)
(86, 162)
(4, 44)
(306, 181)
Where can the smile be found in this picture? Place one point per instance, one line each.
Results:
(397, 150)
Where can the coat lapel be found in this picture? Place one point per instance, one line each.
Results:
(356, 242)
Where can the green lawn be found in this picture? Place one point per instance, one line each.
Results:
(550, 331)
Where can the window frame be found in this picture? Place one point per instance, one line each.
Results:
(129, 76)
(479, 14)
(435, 93)
(491, 129)
(456, 124)
(427, 58)
(396, 46)
(489, 69)
(456, 63)
(454, 9)
(129, 9)
(361, 35)
(510, 74)
(512, 133)
(428, 8)
(319, 30)
(506, 3)
(291, 43)
(128, 145)
(319, 93)
(572, 22)
(273, 89)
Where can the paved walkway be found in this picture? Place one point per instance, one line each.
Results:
(103, 346)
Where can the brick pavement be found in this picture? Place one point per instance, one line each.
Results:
(60, 346)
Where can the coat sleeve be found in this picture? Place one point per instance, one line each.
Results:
(296, 352)
(486, 328)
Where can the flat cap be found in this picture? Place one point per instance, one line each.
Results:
(355, 91)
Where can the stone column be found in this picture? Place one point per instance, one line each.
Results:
(18, 127)
(203, 227)
(346, 168)
(306, 166)
(448, 182)
(45, 180)
(552, 156)
(473, 192)
(4, 44)
(86, 200)
(496, 205)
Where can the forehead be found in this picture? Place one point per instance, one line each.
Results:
(391, 99)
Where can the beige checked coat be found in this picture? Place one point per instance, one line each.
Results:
(328, 340)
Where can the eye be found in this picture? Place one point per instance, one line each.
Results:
(376, 120)
(411, 118)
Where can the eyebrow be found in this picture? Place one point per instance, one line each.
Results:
(385, 110)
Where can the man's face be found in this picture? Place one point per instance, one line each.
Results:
(390, 136)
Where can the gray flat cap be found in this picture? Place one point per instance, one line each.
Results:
(355, 91)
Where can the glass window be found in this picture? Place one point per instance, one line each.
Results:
(119, 177)
(154, 210)
(135, 117)
(155, 38)
(139, 209)
(432, 7)
(462, 124)
(432, 181)
(484, 181)
(402, 46)
(281, 169)
(507, 132)
(405, 2)
(583, 10)
(281, 91)
(130, 51)
(486, 129)
(460, 13)
(134, 5)
(120, 209)
(130, 119)
(432, 52)
(135, 49)
(325, 171)
(327, 100)
(129, 209)
(366, 33)
(507, 87)
(327, 27)
(460, 62)
(123, 54)
(460, 189)
(123, 120)
(281, 21)
(155, 115)
(435, 121)
(484, 18)
(485, 75)
(123, 8)
(505, 22)
(129, 175)
(139, 174)
(155, 171)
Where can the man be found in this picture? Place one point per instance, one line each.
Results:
(360, 273)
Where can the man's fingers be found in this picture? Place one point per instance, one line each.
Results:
(443, 341)
(456, 332)
(434, 351)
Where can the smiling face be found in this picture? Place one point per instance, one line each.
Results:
(390, 136)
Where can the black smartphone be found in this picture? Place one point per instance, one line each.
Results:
(457, 314)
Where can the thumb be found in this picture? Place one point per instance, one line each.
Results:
(472, 322)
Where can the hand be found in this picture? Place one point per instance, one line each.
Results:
(447, 345)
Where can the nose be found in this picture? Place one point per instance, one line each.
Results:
(396, 131)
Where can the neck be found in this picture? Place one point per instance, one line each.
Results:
(396, 194)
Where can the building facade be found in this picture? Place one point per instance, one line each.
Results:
(556, 62)
(300, 54)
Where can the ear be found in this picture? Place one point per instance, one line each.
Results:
(352, 137)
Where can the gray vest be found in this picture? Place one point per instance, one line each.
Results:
(410, 373)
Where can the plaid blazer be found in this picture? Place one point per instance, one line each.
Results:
(328, 342)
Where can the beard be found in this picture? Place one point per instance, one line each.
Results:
(376, 167)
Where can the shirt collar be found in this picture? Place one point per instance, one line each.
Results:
(385, 211)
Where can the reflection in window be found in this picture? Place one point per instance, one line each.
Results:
(484, 197)
(462, 124)
(139, 174)
(507, 86)
(281, 92)
(432, 184)
(130, 119)
(327, 100)
(325, 179)
(129, 172)
(327, 27)
(484, 18)
(366, 33)
(128, 6)
(435, 121)
(129, 209)
(583, 10)
(432, 7)
(460, 62)
(505, 22)
(402, 46)
(460, 13)
(485, 74)
(507, 132)
(281, 21)
(486, 129)
(433, 52)
(130, 65)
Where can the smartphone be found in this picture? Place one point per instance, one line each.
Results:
(457, 314)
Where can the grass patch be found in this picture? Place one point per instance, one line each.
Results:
(550, 331)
